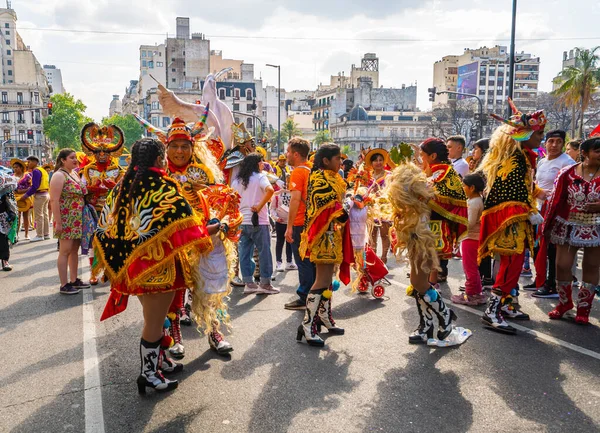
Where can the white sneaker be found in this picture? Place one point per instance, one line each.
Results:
(279, 267)
(267, 289)
(37, 239)
(291, 267)
(251, 288)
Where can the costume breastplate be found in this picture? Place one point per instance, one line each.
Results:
(100, 182)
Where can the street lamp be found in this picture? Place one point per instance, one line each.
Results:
(278, 107)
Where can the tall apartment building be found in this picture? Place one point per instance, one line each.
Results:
(188, 59)
(369, 68)
(115, 106)
(218, 63)
(153, 67)
(24, 93)
(485, 73)
(54, 77)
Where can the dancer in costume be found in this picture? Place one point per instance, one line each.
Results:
(409, 193)
(573, 222)
(321, 241)
(24, 205)
(510, 209)
(148, 241)
(192, 163)
(376, 160)
(100, 174)
(8, 218)
(449, 216)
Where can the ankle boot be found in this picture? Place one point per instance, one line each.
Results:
(167, 365)
(93, 280)
(150, 376)
(308, 329)
(177, 350)
(218, 343)
(326, 318)
(587, 291)
(564, 290)
(510, 310)
(492, 316)
(445, 315)
(425, 330)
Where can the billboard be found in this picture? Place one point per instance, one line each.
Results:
(467, 79)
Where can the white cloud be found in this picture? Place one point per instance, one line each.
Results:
(95, 66)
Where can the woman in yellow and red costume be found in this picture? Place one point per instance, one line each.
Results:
(148, 242)
(324, 241)
(100, 172)
(510, 209)
(192, 161)
(449, 216)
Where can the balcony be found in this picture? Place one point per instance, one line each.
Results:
(20, 120)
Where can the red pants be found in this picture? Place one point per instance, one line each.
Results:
(509, 272)
(469, 261)
(177, 302)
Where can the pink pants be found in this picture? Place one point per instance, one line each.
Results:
(469, 261)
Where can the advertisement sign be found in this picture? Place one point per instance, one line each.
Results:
(467, 79)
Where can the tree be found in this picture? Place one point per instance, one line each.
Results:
(323, 136)
(578, 83)
(558, 114)
(64, 125)
(455, 118)
(289, 129)
(131, 127)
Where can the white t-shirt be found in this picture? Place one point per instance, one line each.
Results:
(547, 171)
(251, 196)
(475, 209)
(461, 166)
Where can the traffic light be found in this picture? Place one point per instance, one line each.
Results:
(198, 102)
(49, 108)
(474, 131)
(30, 134)
(432, 91)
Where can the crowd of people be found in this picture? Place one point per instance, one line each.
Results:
(192, 216)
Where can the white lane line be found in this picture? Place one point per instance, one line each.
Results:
(537, 334)
(94, 415)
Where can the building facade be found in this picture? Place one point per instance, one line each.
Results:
(54, 77)
(115, 106)
(24, 94)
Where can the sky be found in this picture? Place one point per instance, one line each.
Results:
(310, 39)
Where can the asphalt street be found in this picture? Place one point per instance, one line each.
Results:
(369, 380)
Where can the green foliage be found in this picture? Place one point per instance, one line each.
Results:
(578, 83)
(64, 125)
(323, 136)
(289, 129)
(131, 127)
(403, 152)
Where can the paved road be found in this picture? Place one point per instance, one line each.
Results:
(367, 380)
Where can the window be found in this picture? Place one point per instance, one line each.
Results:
(5, 25)
(5, 97)
(8, 42)
(38, 137)
(6, 134)
(144, 63)
(8, 52)
(143, 53)
(249, 94)
(172, 80)
(19, 98)
(249, 122)
(154, 121)
(151, 64)
(10, 72)
(159, 64)
(144, 72)
(482, 92)
(9, 62)
(236, 93)
(248, 107)
(221, 94)
(36, 98)
(38, 118)
(236, 107)
(155, 106)
(166, 122)
(8, 32)
(173, 70)
(5, 118)
(22, 136)
(20, 117)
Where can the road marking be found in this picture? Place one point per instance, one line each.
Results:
(94, 415)
(537, 334)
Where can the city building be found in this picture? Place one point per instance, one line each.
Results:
(152, 67)
(484, 72)
(54, 77)
(115, 106)
(369, 68)
(130, 102)
(218, 63)
(24, 94)
(188, 59)
(361, 128)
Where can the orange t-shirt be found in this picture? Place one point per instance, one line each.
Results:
(299, 182)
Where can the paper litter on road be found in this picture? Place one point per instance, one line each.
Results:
(458, 336)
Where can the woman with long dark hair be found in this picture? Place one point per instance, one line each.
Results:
(449, 216)
(321, 241)
(573, 222)
(67, 196)
(255, 191)
(147, 235)
(480, 147)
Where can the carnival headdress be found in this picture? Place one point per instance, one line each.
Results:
(241, 135)
(523, 125)
(108, 139)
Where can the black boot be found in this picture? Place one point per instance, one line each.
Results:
(308, 329)
(493, 318)
(445, 315)
(326, 318)
(425, 330)
(150, 375)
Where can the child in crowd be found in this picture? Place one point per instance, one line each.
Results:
(473, 185)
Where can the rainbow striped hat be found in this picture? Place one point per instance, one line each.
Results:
(523, 125)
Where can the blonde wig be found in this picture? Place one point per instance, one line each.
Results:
(204, 155)
(502, 147)
(408, 191)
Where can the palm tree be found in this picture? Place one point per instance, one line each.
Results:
(290, 129)
(577, 83)
(323, 136)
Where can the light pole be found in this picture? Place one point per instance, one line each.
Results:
(470, 95)
(278, 107)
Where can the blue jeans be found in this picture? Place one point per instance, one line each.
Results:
(259, 237)
(306, 269)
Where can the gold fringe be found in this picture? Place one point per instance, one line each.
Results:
(448, 215)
